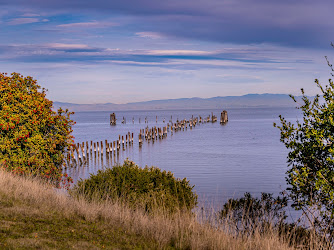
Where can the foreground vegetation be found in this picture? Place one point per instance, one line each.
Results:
(130, 207)
(36, 215)
(310, 175)
(33, 137)
(146, 188)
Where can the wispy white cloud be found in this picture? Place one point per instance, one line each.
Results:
(30, 15)
(64, 52)
(85, 25)
(26, 20)
(177, 52)
(18, 21)
(150, 35)
(65, 46)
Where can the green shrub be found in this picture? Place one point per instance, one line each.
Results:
(33, 137)
(248, 212)
(250, 215)
(148, 188)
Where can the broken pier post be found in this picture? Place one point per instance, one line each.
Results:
(223, 117)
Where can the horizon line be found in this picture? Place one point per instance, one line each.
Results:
(170, 99)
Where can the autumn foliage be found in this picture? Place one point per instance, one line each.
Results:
(33, 137)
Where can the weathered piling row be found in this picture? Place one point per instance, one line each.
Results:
(210, 118)
(79, 153)
(154, 133)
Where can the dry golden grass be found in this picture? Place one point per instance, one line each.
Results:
(43, 212)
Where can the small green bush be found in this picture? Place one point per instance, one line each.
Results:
(250, 215)
(148, 188)
(253, 211)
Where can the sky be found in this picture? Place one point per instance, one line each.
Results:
(113, 51)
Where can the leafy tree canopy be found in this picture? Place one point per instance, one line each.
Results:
(33, 137)
(311, 156)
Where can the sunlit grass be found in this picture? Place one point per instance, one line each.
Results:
(35, 215)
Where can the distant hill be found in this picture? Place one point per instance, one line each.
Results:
(220, 102)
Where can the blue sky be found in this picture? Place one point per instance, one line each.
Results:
(125, 51)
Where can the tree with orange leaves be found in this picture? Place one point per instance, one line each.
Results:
(33, 137)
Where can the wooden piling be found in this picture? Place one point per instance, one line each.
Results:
(112, 119)
(140, 140)
(73, 153)
(83, 151)
(223, 117)
(78, 154)
(107, 150)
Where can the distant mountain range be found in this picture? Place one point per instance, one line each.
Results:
(219, 102)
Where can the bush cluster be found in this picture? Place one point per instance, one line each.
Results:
(252, 215)
(33, 137)
(255, 211)
(148, 188)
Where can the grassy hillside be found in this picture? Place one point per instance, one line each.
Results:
(35, 215)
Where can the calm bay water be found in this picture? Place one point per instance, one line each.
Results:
(222, 161)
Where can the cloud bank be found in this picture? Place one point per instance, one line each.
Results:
(298, 23)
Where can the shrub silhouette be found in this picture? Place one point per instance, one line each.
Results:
(249, 212)
(252, 215)
(148, 188)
